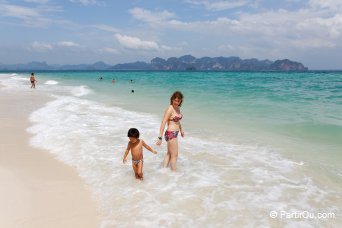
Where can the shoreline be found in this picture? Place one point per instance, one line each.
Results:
(37, 190)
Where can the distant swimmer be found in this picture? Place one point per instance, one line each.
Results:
(33, 81)
(131, 81)
(132, 91)
(113, 80)
(100, 78)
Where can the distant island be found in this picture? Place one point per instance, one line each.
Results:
(183, 63)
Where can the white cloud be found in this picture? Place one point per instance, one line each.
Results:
(106, 28)
(38, 46)
(68, 44)
(326, 4)
(313, 43)
(136, 43)
(17, 11)
(219, 5)
(271, 34)
(151, 17)
(88, 2)
(306, 27)
(31, 17)
(109, 50)
(167, 48)
(245, 31)
(279, 29)
(37, 1)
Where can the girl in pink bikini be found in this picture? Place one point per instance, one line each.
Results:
(172, 117)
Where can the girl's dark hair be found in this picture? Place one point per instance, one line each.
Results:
(133, 132)
(178, 95)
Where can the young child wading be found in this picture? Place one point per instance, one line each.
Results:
(135, 145)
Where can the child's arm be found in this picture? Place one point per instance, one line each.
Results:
(126, 153)
(148, 147)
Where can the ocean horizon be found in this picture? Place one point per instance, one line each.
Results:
(200, 71)
(255, 143)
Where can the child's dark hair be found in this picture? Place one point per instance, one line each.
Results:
(133, 132)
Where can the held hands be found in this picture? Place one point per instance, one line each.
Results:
(124, 160)
(155, 152)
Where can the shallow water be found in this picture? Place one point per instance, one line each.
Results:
(255, 143)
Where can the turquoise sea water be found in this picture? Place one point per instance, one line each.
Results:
(292, 107)
(257, 141)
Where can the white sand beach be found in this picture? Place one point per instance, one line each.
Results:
(36, 189)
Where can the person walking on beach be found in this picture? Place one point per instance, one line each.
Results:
(172, 117)
(135, 145)
(33, 81)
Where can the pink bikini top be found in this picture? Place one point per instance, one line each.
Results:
(176, 118)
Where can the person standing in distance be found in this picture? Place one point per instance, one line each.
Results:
(33, 81)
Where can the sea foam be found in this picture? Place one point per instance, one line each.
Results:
(216, 183)
(80, 91)
(51, 82)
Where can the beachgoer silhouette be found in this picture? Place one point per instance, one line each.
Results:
(33, 81)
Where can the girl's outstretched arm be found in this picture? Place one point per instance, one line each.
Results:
(126, 152)
(148, 147)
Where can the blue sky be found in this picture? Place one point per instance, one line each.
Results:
(86, 31)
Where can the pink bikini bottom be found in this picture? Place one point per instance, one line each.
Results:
(170, 135)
